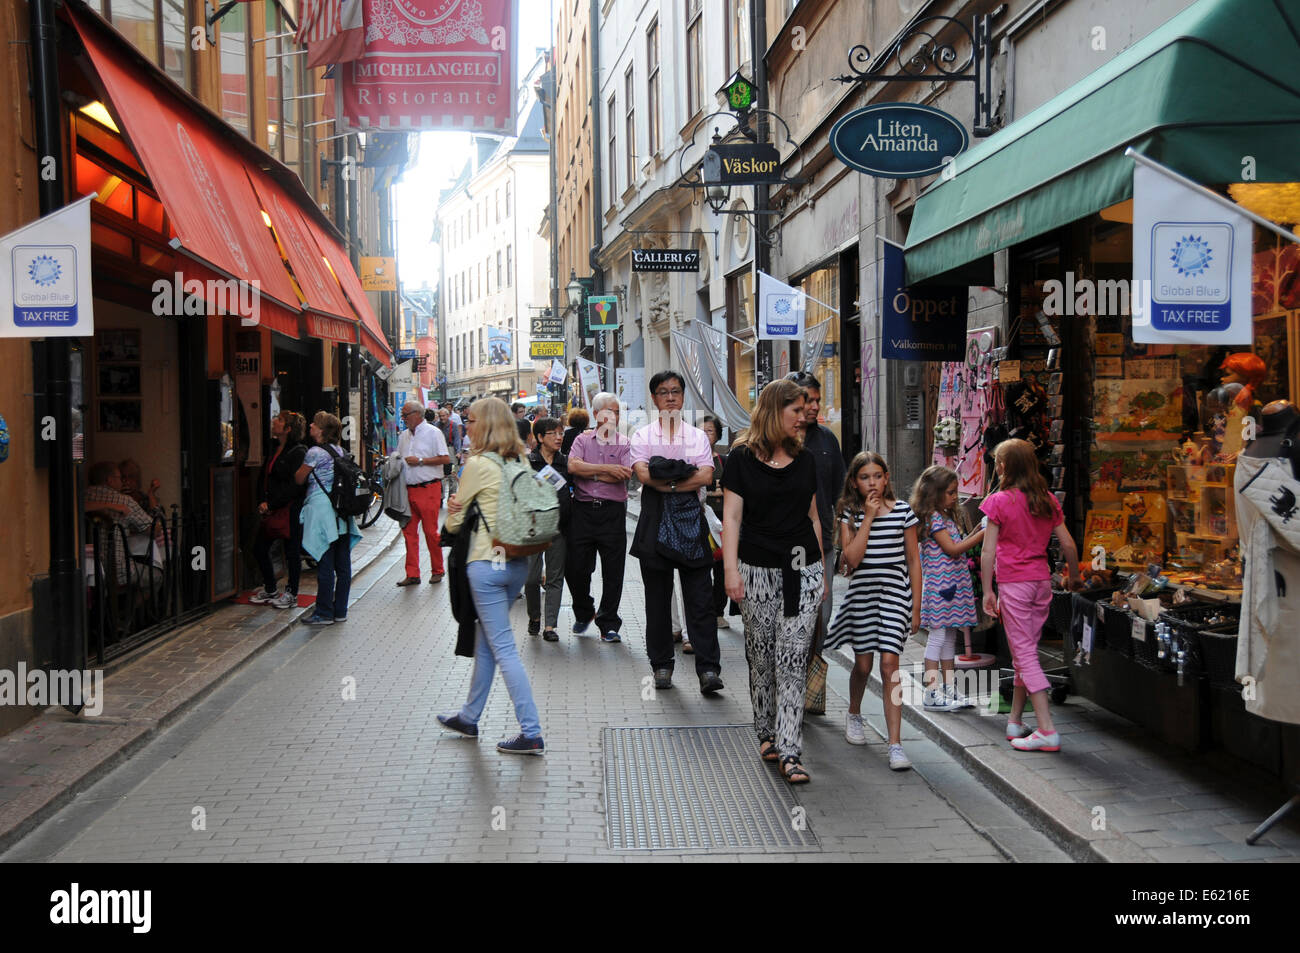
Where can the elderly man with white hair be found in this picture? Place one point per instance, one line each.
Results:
(600, 464)
(423, 450)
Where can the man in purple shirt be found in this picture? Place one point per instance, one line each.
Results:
(599, 468)
(671, 438)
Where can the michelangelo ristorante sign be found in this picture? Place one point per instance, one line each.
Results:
(665, 259)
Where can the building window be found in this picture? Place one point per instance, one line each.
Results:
(694, 57)
(507, 200)
(738, 38)
(234, 69)
(499, 283)
(497, 199)
(175, 41)
(653, 108)
(613, 152)
(510, 266)
(629, 94)
(283, 86)
(134, 19)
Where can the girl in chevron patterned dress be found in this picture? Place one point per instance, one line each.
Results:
(947, 595)
(878, 546)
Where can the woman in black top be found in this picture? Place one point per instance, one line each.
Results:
(772, 556)
(579, 420)
(281, 502)
(548, 434)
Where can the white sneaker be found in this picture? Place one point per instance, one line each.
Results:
(934, 701)
(262, 597)
(723, 623)
(1016, 730)
(285, 600)
(897, 759)
(956, 698)
(854, 733)
(1038, 741)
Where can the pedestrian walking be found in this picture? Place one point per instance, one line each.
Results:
(599, 468)
(326, 536)
(947, 594)
(424, 453)
(493, 582)
(451, 432)
(579, 421)
(674, 462)
(712, 428)
(770, 538)
(280, 509)
(821, 443)
(883, 604)
(550, 562)
(1022, 518)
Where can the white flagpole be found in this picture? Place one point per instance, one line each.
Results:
(1212, 195)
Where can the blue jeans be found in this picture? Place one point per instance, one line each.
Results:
(494, 590)
(334, 579)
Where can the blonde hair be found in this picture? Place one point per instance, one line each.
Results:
(1020, 471)
(765, 435)
(927, 498)
(496, 429)
(851, 500)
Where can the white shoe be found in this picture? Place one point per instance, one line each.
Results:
(285, 600)
(1038, 741)
(1016, 730)
(723, 623)
(897, 759)
(854, 733)
(262, 597)
(956, 698)
(934, 701)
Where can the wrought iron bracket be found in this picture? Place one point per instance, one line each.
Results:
(694, 180)
(918, 54)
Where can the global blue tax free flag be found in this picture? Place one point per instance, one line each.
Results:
(45, 276)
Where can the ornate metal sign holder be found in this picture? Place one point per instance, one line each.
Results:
(919, 54)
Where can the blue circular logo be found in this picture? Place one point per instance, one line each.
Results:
(782, 306)
(1191, 256)
(44, 270)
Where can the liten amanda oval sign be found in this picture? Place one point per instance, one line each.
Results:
(898, 140)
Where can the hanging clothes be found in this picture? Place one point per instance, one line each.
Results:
(1268, 637)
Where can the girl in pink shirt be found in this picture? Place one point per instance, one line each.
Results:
(1023, 517)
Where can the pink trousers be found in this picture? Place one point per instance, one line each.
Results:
(1024, 607)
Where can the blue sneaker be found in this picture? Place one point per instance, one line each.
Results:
(317, 619)
(611, 637)
(457, 723)
(580, 627)
(521, 745)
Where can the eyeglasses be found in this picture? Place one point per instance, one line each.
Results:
(668, 393)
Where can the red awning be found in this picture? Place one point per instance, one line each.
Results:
(200, 178)
(372, 335)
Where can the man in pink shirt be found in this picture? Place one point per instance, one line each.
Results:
(680, 549)
(599, 467)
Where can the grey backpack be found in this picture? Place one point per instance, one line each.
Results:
(528, 510)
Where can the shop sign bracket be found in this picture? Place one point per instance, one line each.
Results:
(918, 55)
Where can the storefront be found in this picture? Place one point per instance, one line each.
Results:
(1139, 440)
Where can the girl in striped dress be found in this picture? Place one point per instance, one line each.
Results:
(879, 548)
(947, 595)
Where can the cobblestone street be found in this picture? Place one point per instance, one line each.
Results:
(277, 764)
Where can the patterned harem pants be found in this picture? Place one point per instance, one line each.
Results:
(777, 651)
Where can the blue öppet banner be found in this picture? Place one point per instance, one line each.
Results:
(1191, 265)
(926, 324)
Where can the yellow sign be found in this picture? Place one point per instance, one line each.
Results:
(378, 274)
(540, 349)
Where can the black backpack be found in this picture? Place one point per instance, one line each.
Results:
(351, 494)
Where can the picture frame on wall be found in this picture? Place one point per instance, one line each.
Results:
(116, 345)
(119, 380)
(120, 416)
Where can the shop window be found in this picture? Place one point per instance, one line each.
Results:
(823, 285)
(740, 322)
(113, 191)
(110, 239)
(149, 211)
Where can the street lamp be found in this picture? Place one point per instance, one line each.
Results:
(717, 195)
(574, 290)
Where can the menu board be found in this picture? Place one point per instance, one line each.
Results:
(221, 552)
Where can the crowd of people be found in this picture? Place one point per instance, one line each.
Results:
(792, 515)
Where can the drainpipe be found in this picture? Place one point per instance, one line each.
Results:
(66, 591)
(597, 179)
(762, 251)
(555, 225)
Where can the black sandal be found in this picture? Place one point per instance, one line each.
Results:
(793, 771)
(767, 751)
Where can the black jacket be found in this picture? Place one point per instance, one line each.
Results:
(647, 544)
(278, 487)
(463, 609)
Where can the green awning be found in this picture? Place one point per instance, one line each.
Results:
(1216, 84)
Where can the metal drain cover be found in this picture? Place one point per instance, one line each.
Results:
(697, 788)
